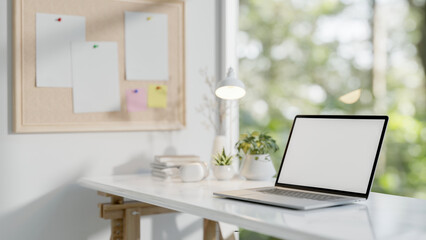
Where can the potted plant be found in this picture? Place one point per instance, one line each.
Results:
(255, 149)
(222, 168)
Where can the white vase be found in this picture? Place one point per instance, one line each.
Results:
(218, 144)
(223, 172)
(257, 167)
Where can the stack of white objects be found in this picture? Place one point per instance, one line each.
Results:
(166, 167)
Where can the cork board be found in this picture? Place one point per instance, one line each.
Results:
(51, 109)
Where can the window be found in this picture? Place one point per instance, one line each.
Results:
(339, 57)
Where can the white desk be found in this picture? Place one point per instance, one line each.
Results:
(381, 217)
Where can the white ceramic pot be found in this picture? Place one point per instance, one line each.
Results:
(223, 172)
(258, 167)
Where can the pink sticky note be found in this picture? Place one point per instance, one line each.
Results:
(136, 99)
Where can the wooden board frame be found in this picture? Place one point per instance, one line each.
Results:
(29, 119)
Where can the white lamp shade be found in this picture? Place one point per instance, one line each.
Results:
(230, 88)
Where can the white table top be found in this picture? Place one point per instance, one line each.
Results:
(381, 217)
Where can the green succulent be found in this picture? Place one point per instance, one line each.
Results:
(222, 159)
(255, 143)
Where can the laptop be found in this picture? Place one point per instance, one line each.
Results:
(329, 160)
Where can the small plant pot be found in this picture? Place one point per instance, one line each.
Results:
(258, 167)
(223, 172)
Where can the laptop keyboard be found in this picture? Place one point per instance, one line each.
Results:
(297, 194)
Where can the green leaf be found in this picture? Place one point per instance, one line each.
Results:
(221, 159)
(256, 143)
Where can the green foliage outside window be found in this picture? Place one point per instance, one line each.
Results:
(299, 57)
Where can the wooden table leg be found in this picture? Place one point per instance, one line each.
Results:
(125, 219)
(125, 216)
(117, 230)
(132, 227)
(212, 231)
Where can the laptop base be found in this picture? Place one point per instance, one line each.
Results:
(254, 195)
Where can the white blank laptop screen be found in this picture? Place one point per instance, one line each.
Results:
(333, 154)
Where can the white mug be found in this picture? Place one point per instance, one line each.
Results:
(193, 172)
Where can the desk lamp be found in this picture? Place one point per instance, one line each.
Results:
(230, 88)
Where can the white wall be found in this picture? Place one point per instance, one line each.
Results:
(39, 198)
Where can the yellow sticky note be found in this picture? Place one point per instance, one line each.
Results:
(157, 96)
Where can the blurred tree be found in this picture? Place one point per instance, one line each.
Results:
(419, 7)
(299, 57)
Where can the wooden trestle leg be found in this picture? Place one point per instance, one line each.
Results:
(125, 218)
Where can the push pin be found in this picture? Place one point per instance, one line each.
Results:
(59, 19)
(135, 91)
(95, 46)
(148, 18)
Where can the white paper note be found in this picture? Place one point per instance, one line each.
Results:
(146, 46)
(54, 34)
(96, 85)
